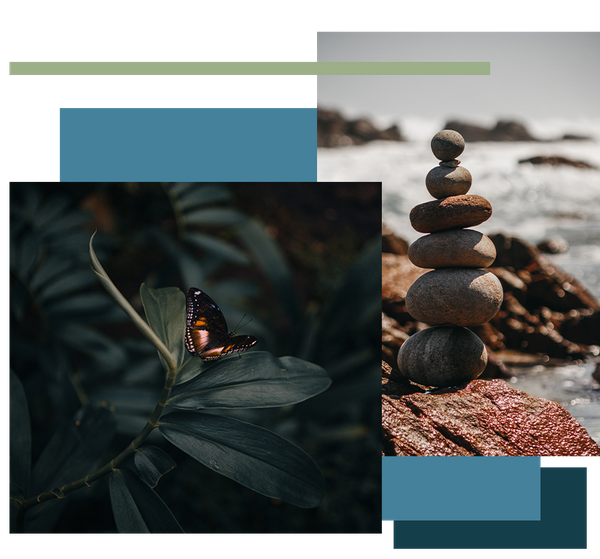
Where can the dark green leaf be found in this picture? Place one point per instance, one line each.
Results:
(84, 304)
(253, 380)
(68, 283)
(250, 455)
(200, 195)
(270, 258)
(137, 508)
(152, 463)
(49, 268)
(74, 449)
(224, 249)
(106, 352)
(166, 314)
(214, 216)
(26, 255)
(20, 437)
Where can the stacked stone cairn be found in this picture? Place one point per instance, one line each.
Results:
(459, 292)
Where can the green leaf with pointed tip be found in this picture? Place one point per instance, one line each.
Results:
(165, 312)
(137, 508)
(250, 455)
(224, 249)
(152, 463)
(253, 380)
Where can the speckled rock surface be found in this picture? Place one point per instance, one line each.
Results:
(454, 248)
(447, 145)
(466, 210)
(462, 296)
(485, 418)
(443, 181)
(442, 356)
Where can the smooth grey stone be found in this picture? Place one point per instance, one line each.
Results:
(447, 145)
(459, 296)
(453, 248)
(448, 181)
(442, 356)
(451, 163)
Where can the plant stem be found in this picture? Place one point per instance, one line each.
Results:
(134, 445)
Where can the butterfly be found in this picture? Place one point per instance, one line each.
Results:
(206, 334)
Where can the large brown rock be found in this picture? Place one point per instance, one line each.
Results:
(485, 418)
(452, 212)
(454, 248)
(459, 296)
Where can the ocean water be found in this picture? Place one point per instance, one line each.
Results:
(532, 202)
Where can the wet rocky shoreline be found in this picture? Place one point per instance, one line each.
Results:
(546, 317)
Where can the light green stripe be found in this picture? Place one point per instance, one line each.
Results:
(248, 68)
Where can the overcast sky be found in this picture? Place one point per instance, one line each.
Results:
(533, 75)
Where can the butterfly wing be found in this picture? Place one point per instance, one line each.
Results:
(224, 346)
(206, 334)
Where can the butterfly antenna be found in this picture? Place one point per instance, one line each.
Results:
(240, 325)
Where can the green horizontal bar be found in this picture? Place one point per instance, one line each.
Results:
(249, 68)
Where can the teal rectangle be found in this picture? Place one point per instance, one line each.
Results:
(563, 522)
(441, 488)
(220, 145)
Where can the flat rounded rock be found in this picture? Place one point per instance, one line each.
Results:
(454, 248)
(465, 210)
(444, 181)
(442, 356)
(447, 145)
(458, 296)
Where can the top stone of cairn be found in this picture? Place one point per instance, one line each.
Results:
(447, 145)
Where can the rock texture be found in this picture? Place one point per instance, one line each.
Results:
(447, 145)
(461, 296)
(442, 356)
(458, 291)
(444, 181)
(455, 248)
(546, 314)
(334, 130)
(483, 418)
(465, 210)
(488, 417)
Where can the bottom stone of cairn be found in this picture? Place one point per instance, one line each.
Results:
(442, 356)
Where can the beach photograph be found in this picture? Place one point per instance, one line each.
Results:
(491, 249)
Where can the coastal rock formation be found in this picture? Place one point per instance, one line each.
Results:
(503, 131)
(333, 130)
(481, 418)
(556, 160)
(546, 312)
